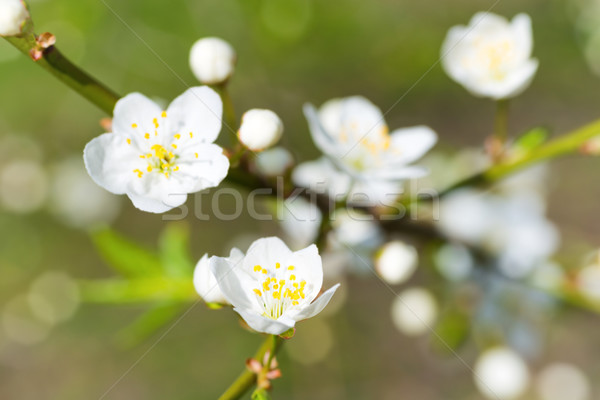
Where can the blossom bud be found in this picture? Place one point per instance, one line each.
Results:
(260, 129)
(13, 15)
(396, 262)
(212, 60)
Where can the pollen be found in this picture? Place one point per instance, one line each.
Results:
(258, 292)
(128, 141)
(138, 172)
(191, 135)
(196, 154)
(174, 145)
(147, 136)
(278, 265)
(155, 121)
(134, 126)
(257, 268)
(291, 268)
(177, 136)
(164, 114)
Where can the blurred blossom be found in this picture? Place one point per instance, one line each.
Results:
(158, 157)
(588, 281)
(274, 162)
(54, 297)
(260, 129)
(312, 344)
(76, 200)
(492, 56)
(352, 134)
(501, 373)
(272, 287)
(205, 282)
(300, 222)
(548, 276)
(396, 262)
(212, 60)
(454, 262)
(23, 186)
(414, 311)
(512, 227)
(21, 324)
(561, 381)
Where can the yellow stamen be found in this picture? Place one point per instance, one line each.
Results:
(134, 125)
(164, 114)
(177, 136)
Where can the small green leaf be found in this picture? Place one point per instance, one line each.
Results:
(125, 256)
(260, 394)
(531, 139)
(118, 291)
(174, 251)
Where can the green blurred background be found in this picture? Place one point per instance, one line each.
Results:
(289, 52)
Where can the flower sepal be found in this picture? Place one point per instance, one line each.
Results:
(264, 373)
(215, 306)
(288, 334)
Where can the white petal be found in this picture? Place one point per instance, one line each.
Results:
(321, 176)
(135, 108)
(197, 110)
(206, 284)
(264, 324)
(317, 306)
(266, 252)
(396, 173)
(235, 284)
(515, 83)
(201, 166)
(523, 35)
(110, 161)
(410, 144)
(375, 191)
(485, 22)
(158, 204)
(322, 138)
(453, 50)
(308, 266)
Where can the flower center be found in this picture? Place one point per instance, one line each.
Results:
(160, 159)
(495, 55)
(371, 145)
(280, 291)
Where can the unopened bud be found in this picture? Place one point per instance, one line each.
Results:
(212, 60)
(260, 129)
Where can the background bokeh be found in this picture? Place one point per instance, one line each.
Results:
(289, 52)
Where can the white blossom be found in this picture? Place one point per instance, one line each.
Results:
(491, 57)
(362, 157)
(260, 129)
(396, 262)
(212, 60)
(272, 288)
(13, 15)
(205, 282)
(501, 373)
(158, 157)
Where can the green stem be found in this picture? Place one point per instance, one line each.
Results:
(501, 121)
(59, 66)
(248, 378)
(566, 144)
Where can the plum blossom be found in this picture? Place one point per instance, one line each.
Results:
(157, 157)
(13, 15)
(361, 156)
(491, 57)
(271, 287)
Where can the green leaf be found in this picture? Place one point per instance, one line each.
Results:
(174, 246)
(260, 394)
(125, 256)
(148, 323)
(531, 140)
(118, 291)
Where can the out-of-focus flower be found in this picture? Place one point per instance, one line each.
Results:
(54, 297)
(272, 287)
(205, 282)
(76, 200)
(13, 15)
(560, 381)
(501, 373)
(158, 157)
(212, 60)
(354, 137)
(414, 311)
(396, 262)
(300, 221)
(512, 227)
(454, 262)
(260, 129)
(274, 162)
(23, 186)
(492, 56)
(588, 278)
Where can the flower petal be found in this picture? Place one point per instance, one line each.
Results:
(266, 252)
(321, 176)
(201, 166)
(523, 33)
(206, 284)
(135, 108)
(234, 282)
(410, 144)
(110, 161)
(322, 138)
(264, 324)
(198, 110)
(308, 266)
(316, 306)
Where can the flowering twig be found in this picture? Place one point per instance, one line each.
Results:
(247, 378)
